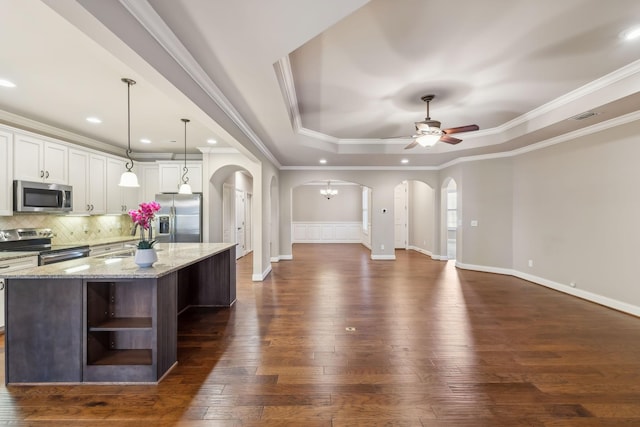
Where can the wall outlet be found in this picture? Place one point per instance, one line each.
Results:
(382, 247)
(474, 223)
(530, 263)
(572, 284)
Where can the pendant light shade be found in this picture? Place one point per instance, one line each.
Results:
(185, 188)
(129, 178)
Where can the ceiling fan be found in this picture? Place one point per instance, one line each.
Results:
(428, 131)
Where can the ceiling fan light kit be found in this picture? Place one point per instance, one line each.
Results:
(429, 132)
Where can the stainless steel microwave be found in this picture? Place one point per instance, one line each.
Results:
(31, 196)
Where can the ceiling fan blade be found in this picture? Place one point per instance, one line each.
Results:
(413, 144)
(449, 139)
(467, 128)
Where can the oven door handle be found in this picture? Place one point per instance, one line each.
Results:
(63, 256)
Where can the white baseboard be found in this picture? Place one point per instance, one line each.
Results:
(285, 257)
(260, 278)
(567, 289)
(429, 253)
(383, 257)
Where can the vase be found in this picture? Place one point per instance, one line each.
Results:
(145, 257)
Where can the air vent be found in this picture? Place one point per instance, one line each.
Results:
(584, 115)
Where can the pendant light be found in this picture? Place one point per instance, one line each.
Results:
(185, 188)
(128, 178)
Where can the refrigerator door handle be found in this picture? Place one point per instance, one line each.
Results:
(172, 222)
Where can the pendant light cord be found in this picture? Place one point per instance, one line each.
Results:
(185, 178)
(129, 164)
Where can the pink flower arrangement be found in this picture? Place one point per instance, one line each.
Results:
(143, 217)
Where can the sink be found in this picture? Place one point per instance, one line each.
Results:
(122, 254)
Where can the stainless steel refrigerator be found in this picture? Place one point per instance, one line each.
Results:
(179, 218)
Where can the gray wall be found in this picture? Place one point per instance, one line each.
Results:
(309, 205)
(575, 211)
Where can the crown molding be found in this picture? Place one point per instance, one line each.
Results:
(24, 124)
(598, 127)
(144, 13)
(218, 150)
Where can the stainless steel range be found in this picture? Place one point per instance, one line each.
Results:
(39, 240)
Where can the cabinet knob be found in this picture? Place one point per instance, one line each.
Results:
(88, 207)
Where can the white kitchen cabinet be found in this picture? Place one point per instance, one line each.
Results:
(40, 160)
(6, 173)
(150, 185)
(7, 266)
(170, 176)
(119, 199)
(87, 176)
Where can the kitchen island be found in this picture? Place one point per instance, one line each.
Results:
(103, 319)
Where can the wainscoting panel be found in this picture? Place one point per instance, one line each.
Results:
(327, 232)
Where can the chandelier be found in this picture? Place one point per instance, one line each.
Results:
(328, 192)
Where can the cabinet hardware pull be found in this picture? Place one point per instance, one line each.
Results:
(4, 266)
(41, 174)
(46, 174)
(1, 285)
(91, 207)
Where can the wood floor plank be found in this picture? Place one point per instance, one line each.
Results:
(432, 346)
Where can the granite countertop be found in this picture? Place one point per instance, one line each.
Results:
(5, 256)
(104, 241)
(171, 257)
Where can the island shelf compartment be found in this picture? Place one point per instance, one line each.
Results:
(119, 322)
(128, 325)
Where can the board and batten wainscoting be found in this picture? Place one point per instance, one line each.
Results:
(319, 220)
(327, 232)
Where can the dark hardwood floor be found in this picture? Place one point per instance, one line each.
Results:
(430, 346)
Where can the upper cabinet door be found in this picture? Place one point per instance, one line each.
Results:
(6, 173)
(170, 175)
(39, 160)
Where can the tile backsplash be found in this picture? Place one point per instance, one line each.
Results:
(71, 229)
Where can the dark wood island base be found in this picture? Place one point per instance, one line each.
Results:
(114, 326)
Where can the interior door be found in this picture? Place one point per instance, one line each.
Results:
(228, 217)
(400, 216)
(240, 223)
(247, 221)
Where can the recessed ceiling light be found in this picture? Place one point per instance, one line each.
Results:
(7, 83)
(145, 141)
(94, 120)
(323, 161)
(630, 33)
(211, 141)
(404, 161)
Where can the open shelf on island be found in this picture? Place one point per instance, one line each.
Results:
(125, 357)
(122, 323)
